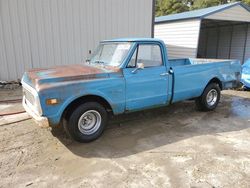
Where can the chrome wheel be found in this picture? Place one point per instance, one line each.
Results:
(89, 122)
(212, 96)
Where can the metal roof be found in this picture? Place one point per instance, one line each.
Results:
(201, 13)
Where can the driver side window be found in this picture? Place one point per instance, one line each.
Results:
(148, 54)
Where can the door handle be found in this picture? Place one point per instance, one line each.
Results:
(164, 74)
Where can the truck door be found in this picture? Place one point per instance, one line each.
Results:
(146, 78)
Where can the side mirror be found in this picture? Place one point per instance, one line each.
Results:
(88, 56)
(138, 67)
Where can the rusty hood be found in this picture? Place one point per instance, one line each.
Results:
(48, 76)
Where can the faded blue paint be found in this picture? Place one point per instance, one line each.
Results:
(67, 92)
(199, 14)
(245, 78)
(192, 75)
(126, 91)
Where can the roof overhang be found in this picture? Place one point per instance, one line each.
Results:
(203, 13)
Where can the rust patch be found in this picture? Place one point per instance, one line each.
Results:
(68, 73)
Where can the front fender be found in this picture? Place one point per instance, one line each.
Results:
(54, 119)
(91, 92)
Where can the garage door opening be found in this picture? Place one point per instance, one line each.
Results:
(224, 40)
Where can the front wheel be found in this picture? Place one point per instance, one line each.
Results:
(210, 98)
(87, 122)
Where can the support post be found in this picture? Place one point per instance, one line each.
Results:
(218, 39)
(206, 42)
(245, 43)
(230, 42)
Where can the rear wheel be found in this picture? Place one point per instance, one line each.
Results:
(210, 98)
(87, 122)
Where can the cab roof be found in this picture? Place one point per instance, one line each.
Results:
(133, 40)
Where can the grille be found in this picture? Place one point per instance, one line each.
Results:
(28, 96)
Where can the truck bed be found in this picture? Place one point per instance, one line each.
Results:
(194, 61)
(192, 75)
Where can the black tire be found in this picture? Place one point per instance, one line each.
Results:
(203, 104)
(71, 123)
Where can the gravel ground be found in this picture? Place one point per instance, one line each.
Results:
(175, 146)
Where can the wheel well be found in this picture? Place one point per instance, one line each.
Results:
(217, 81)
(87, 98)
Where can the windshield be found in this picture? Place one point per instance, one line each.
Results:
(111, 54)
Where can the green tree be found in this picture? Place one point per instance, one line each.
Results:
(165, 7)
(198, 4)
(247, 2)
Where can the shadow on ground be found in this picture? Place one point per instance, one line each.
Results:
(143, 131)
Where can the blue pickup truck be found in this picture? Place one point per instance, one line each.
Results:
(122, 75)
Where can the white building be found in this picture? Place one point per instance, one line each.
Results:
(44, 33)
(216, 32)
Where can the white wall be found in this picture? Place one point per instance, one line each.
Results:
(43, 33)
(180, 37)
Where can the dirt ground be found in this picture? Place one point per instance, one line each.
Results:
(175, 146)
